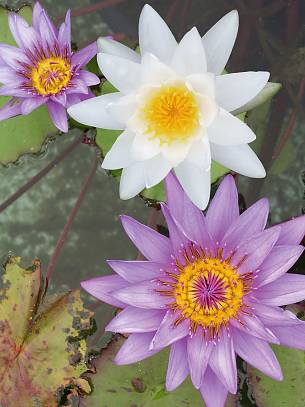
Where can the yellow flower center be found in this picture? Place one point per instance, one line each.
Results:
(51, 75)
(171, 113)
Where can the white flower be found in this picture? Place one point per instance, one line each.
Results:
(173, 105)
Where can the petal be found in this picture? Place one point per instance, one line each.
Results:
(58, 115)
(13, 56)
(122, 73)
(223, 361)
(142, 295)
(223, 209)
(239, 158)
(187, 216)
(48, 33)
(37, 9)
(8, 75)
(119, 155)
(287, 289)
(252, 325)
(213, 392)
(123, 109)
(112, 47)
(189, 57)
(137, 271)
(101, 288)
(198, 353)
(14, 89)
(89, 78)
(200, 154)
(249, 223)
(228, 130)
(279, 261)
(196, 182)
(274, 316)
(134, 349)
(93, 112)
(292, 231)
(132, 180)
(176, 152)
(219, 41)
(292, 337)
(25, 36)
(154, 72)
(177, 369)
(143, 147)
(203, 84)
(82, 57)
(64, 35)
(258, 353)
(136, 320)
(151, 244)
(30, 104)
(10, 109)
(156, 169)
(168, 332)
(154, 35)
(236, 89)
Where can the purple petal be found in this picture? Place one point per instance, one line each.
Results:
(137, 271)
(255, 250)
(13, 89)
(151, 244)
(168, 333)
(274, 316)
(177, 369)
(287, 289)
(25, 36)
(60, 98)
(13, 56)
(77, 85)
(89, 78)
(37, 10)
(188, 217)
(30, 104)
(101, 288)
(10, 109)
(279, 261)
(213, 392)
(258, 353)
(292, 231)
(198, 352)
(48, 32)
(143, 295)
(252, 221)
(223, 209)
(135, 320)
(135, 348)
(223, 361)
(253, 326)
(292, 337)
(58, 115)
(85, 55)
(64, 35)
(8, 75)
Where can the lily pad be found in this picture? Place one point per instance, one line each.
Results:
(42, 343)
(22, 134)
(140, 384)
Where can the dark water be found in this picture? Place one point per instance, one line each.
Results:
(271, 37)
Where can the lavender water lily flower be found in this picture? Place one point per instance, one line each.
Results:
(43, 68)
(211, 291)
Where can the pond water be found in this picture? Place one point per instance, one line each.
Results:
(270, 38)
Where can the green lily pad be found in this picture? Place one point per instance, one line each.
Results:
(42, 343)
(140, 384)
(288, 393)
(22, 134)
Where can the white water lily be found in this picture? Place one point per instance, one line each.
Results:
(174, 106)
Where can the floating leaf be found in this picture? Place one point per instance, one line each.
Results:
(140, 384)
(42, 345)
(22, 134)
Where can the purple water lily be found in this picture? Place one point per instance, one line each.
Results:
(43, 68)
(212, 290)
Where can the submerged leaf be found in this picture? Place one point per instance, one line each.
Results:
(42, 344)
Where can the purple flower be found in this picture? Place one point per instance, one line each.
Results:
(43, 68)
(212, 290)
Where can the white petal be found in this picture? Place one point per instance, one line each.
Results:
(119, 155)
(123, 109)
(200, 154)
(156, 170)
(176, 152)
(219, 41)
(196, 183)
(227, 130)
(132, 180)
(122, 73)
(189, 57)
(155, 36)
(208, 108)
(241, 159)
(236, 89)
(154, 72)
(93, 112)
(202, 83)
(144, 147)
(112, 47)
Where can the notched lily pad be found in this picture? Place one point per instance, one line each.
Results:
(23, 134)
(140, 384)
(42, 343)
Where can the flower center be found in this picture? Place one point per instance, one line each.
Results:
(208, 291)
(171, 113)
(51, 75)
